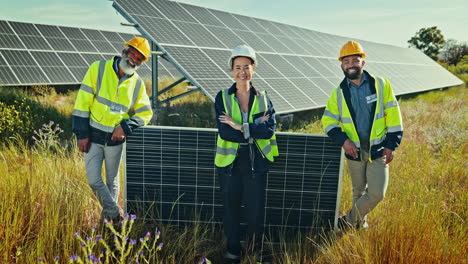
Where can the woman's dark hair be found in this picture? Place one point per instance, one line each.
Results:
(233, 59)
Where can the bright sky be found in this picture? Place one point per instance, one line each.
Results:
(391, 22)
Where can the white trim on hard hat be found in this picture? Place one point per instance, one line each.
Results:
(242, 51)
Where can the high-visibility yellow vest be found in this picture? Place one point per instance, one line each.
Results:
(387, 116)
(226, 151)
(106, 100)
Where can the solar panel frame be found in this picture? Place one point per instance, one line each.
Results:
(170, 176)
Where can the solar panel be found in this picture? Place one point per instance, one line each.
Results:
(34, 54)
(170, 175)
(292, 61)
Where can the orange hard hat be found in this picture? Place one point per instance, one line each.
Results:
(140, 44)
(351, 48)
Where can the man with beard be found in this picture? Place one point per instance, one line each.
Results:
(111, 103)
(363, 116)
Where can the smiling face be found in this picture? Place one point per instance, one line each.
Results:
(131, 60)
(352, 66)
(243, 70)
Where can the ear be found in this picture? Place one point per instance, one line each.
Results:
(363, 63)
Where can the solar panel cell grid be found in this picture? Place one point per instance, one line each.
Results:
(199, 35)
(59, 75)
(30, 75)
(10, 41)
(6, 75)
(34, 42)
(283, 66)
(60, 44)
(291, 93)
(173, 8)
(5, 28)
(228, 20)
(202, 15)
(188, 192)
(202, 65)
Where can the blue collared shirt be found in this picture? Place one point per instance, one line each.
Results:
(362, 100)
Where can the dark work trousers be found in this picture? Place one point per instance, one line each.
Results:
(244, 185)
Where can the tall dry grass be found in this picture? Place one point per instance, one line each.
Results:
(45, 199)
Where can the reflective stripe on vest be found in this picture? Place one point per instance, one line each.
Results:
(226, 151)
(103, 119)
(347, 121)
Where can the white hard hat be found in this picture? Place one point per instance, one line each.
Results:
(242, 51)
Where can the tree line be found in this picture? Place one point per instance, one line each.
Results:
(431, 41)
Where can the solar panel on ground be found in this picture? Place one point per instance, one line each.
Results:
(199, 39)
(34, 54)
(170, 175)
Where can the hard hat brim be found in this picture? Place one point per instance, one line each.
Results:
(363, 55)
(127, 44)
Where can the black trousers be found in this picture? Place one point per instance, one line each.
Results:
(244, 183)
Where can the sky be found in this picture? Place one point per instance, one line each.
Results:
(390, 22)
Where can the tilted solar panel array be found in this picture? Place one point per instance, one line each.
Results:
(170, 175)
(297, 66)
(34, 54)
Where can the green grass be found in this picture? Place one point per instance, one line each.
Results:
(45, 199)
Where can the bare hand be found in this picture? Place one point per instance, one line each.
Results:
(264, 118)
(387, 155)
(350, 148)
(226, 119)
(118, 134)
(83, 144)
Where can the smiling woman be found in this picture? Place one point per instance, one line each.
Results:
(246, 145)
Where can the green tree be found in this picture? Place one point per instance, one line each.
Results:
(454, 51)
(429, 40)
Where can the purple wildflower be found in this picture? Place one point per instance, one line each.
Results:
(142, 240)
(160, 245)
(77, 234)
(132, 217)
(133, 241)
(56, 259)
(83, 244)
(41, 259)
(98, 237)
(74, 257)
(106, 221)
(148, 234)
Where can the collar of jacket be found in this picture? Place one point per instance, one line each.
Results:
(253, 92)
(233, 89)
(347, 95)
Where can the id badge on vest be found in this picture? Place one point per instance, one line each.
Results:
(115, 108)
(371, 98)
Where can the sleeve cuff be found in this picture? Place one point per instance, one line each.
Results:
(125, 127)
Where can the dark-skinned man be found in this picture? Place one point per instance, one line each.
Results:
(363, 116)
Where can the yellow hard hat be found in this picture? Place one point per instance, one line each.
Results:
(140, 44)
(351, 48)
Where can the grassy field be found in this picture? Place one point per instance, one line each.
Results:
(45, 200)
